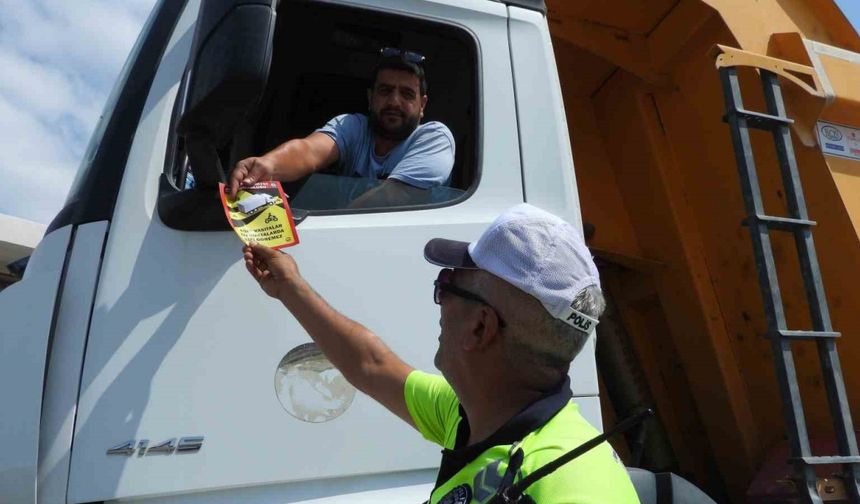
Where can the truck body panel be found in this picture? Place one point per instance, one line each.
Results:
(28, 309)
(59, 405)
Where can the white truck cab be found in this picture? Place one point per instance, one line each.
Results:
(140, 361)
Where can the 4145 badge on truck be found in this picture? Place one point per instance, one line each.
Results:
(190, 444)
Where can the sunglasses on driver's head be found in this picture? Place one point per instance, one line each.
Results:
(444, 283)
(412, 57)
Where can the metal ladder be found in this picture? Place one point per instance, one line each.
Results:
(740, 120)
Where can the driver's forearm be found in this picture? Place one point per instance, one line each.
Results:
(293, 160)
(355, 350)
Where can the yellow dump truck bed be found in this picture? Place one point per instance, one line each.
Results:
(658, 180)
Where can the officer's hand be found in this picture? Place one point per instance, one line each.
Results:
(250, 171)
(276, 272)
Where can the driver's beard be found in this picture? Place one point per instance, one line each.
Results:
(396, 134)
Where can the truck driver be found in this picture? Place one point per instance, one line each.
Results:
(389, 143)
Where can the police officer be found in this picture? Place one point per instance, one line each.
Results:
(517, 306)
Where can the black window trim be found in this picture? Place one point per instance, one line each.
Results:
(101, 176)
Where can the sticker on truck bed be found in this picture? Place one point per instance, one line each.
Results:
(260, 213)
(838, 140)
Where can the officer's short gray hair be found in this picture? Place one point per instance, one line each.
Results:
(539, 346)
(546, 345)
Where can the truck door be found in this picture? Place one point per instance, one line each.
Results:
(185, 349)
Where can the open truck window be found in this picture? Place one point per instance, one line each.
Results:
(323, 57)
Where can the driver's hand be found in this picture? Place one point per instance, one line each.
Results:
(249, 171)
(276, 272)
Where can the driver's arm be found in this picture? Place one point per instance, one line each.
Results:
(288, 162)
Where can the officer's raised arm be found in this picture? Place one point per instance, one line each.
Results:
(516, 307)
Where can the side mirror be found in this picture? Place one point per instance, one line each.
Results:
(230, 60)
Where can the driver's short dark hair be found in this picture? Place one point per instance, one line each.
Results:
(402, 64)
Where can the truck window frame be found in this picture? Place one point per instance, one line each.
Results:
(175, 162)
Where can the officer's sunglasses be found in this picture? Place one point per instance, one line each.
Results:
(412, 57)
(444, 283)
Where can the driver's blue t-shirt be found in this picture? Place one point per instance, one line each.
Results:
(423, 160)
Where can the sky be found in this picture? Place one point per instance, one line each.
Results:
(60, 59)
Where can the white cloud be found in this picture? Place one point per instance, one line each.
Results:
(92, 36)
(59, 61)
(35, 165)
(47, 90)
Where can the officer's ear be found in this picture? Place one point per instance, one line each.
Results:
(485, 329)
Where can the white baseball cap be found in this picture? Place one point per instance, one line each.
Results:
(535, 251)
